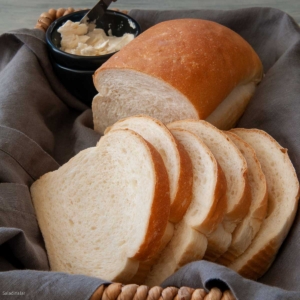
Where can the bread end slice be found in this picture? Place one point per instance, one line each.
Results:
(283, 196)
(106, 231)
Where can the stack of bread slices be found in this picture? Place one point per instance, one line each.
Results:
(150, 198)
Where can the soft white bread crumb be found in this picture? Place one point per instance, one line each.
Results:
(176, 159)
(125, 93)
(209, 201)
(234, 167)
(248, 228)
(203, 215)
(232, 163)
(106, 209)
(283, 195)
(179, 168)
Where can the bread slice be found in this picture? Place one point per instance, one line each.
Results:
(203, 215)
(185, 246)
(209, 200)
(179, 168)
(175, 157)
(178, 69)
(232, 163)
(234, 167)
(283, 195)
(106, 209)
(248, 228)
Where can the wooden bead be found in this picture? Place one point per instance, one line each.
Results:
(47, 15)
(141, 292)
(71, 9)
(227, 295)
(98, 293)
(60, 12)
(169, 293)
(128, 292)
(154, 293)
(52, 12)
(214, 294)
(68, 11)
(112, 291)
(40, 27)
(185, 293)
(45, 21)
(199, 294)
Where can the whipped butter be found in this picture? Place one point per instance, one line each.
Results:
(81, 39)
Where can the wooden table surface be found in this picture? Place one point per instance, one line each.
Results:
(24, 13)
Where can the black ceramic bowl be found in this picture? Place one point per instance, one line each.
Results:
(75, 71)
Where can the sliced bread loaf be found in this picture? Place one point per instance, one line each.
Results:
(248, 228)
(176, 70)
(203, 215)
(106, 209)
(175, 157)
(283, 195)
(234, 167)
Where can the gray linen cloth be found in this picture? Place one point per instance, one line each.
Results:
(42, 126)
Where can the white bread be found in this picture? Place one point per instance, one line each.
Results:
(106, 209)
(203, 215)
(283, 194)
(234, 167)
(179, 168)
(209, 200)
(218, 243)
(232, 163)
(175, 157)
(145, 266)
(185, 246)
(175, 70)
(248, 228)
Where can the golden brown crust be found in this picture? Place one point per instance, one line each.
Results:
(260, 263)
(184, 193)
(194, 56)
(240, 210)
(219, 207)
(160, 210)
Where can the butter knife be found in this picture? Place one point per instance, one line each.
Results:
(96, 12)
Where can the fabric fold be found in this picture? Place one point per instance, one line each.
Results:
(42, 126)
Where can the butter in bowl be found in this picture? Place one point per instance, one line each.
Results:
(77, 51)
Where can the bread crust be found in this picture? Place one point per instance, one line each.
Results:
(160, 209)
(220, 205)
(256, 260)
(247, 229)
(194, 57)
(184, 185)
(184, 193)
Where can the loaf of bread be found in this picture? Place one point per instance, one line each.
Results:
(178, 69)
(113, 201)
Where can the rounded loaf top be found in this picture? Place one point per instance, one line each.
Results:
(201, 59)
